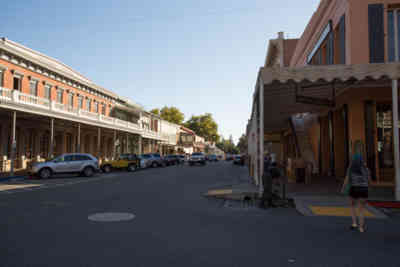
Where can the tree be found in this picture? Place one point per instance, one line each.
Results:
(228, 146)
(205, 126)
(171, 114)
(155, 111)
(242, 144)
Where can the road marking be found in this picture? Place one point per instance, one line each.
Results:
(111, 217)
(6, 187)
(336, 211)
(219, 192)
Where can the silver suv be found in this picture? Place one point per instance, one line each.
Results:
(154, 160)
(85, 164)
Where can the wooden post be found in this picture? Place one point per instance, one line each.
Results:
(51, 150)
(78, 144)
(396, 137)
(99, 142)
(13, 141)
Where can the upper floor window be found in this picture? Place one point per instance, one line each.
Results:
(393, 17)
(71, 100)
(33, 87)
(88, 104)
(47, 91)
(60, 96)
(80, 102)
(96, 107)
(103, 109)
(17, 82)
(1, 77)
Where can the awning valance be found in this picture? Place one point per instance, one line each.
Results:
(288, 91)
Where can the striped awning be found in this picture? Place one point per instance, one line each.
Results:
(288, 91)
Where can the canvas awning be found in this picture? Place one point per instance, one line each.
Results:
(288, 91)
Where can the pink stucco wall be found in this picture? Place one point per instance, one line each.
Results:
(357, 44)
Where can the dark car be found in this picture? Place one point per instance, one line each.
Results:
(171, 160)
(238, 160)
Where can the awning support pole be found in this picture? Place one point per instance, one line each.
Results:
(13, 141)
(396, 137)
(261, 110)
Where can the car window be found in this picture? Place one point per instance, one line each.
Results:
(82, 158)
(131, 157)
(69, 158)
(197, 154)
(58, 159)
(156, 155)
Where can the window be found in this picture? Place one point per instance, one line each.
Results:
(17, 83)
(103, 109)
(82, 158)
(393, 17)
(70, 100)
(96, 107)
(33, 87)
(69, 158)
(59, 96)
(88, 104)
(1, 77)
(80, 102)
(47, 91)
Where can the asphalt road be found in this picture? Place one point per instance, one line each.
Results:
(175, 226)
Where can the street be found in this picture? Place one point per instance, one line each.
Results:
(174, 225)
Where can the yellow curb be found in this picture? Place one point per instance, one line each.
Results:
(336, 211)
(219, 192)
(6, 187)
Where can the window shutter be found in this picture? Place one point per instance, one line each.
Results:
(376, 33)
(342, 40)
(391, 51)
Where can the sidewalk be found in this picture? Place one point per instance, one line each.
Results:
(241, 186)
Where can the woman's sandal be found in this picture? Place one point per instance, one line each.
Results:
(353, 227)
(362, 229)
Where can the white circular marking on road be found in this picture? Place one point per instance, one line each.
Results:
(111, 217)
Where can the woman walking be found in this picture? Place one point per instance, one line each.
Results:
(356, 183)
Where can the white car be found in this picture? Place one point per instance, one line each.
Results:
(197, 157)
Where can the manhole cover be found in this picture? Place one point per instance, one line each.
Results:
(111, 217)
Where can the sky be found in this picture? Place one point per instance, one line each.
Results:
(199, 56)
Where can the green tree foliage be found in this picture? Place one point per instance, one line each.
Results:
(228, 146)
(171, 114)
(155, 111)
(242, 144)
(205, 126)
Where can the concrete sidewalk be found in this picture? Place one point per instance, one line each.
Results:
(330, 205)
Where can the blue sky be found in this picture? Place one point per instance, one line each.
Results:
(200, 56)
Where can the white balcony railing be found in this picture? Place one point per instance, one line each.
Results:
(14, 96)
(33, 100)
(5, 93)
(89, 115)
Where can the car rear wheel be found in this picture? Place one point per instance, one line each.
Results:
(45, 173)
(88, 171)
(131, 167)
(107, 168)
(154, 165)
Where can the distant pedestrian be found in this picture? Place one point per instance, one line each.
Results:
(356, 186)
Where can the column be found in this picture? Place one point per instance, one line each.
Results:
(140, 145)
(114, 147)
(37, 145)
(99, 143)
(13, 141)
(261, 110)
(78, 139)
(396, 137)
(127, 144)
(51, 147)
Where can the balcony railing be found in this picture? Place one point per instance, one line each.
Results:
(15, 96)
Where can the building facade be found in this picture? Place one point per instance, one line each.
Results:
(47, 108)
(336, 84)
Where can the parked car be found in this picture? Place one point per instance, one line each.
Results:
(182, 158)
(197, 157)
(212, 158)
(130, 162)
(144, 162)
(172, 160)
(79, 163)
(229, 157)
(238, 160)
(155, 160)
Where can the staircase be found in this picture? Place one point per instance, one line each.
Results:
(300, 126)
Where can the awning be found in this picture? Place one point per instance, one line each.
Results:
(288, 91)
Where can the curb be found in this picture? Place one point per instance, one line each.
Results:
(20, 177)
